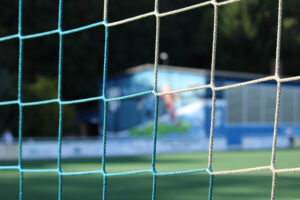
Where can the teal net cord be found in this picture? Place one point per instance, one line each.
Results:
(152, 171)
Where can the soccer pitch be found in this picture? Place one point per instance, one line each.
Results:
(254, 185)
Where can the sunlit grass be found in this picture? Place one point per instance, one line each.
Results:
(187, 186)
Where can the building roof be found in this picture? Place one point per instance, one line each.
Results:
(206, 72)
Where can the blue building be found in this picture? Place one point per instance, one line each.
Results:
(244, 116)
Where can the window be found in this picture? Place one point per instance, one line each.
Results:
(234, 105)
(286, 105)
(257, 104)
(269, 103)
(253, 104)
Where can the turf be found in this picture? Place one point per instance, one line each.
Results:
(256, 185)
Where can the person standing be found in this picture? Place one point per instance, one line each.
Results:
(290, 135)
(7, 136)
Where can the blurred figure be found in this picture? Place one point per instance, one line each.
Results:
(145, 105)
(7, 137)
(169, 101)
(290, 135)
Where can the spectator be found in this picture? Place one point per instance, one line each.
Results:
(290, 135)
(7, 136)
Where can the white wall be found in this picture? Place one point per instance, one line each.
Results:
(115, 147)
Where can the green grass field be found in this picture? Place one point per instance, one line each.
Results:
(44, 186)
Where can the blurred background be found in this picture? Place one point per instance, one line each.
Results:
(246, 48)
(246, 43)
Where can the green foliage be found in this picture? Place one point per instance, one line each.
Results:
(246, 37)
(7, 91)
(8, 114)
(247, 33)
(43, 88)
(42, 120)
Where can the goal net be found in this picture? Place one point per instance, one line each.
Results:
(157, 94)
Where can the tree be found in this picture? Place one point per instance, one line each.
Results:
(9, 113)
(247, 36)
(42, 120)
